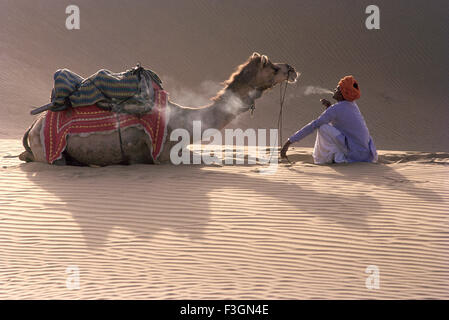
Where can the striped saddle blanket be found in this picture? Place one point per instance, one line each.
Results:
(91, 119)
(135, 84)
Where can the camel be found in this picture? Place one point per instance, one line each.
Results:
(250, 80)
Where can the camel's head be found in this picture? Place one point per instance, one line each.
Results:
(259, 72)
(268, 74)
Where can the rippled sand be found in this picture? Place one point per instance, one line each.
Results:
(211, 232)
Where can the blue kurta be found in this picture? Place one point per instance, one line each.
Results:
(355, 138)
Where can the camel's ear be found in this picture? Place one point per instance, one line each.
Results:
(256, 60)
(264, 61)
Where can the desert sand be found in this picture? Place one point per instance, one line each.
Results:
(225, 232)
(216, 232)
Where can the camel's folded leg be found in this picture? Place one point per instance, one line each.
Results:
(26, 156)
(60, 162)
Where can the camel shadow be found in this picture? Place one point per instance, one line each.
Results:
(145, 199)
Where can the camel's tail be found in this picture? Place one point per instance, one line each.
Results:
(27, 155)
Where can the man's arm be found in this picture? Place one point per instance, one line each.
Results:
(327, 116)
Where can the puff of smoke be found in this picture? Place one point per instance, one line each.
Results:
(192, 97)
(201, 96)
(316, 90)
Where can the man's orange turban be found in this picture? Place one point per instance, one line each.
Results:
(349, 88)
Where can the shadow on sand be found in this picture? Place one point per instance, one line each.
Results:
(145, 199)
(386, 175)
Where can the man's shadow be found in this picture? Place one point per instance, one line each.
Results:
(386, 175)
(145, 199)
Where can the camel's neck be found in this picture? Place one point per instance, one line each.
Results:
(217, 115)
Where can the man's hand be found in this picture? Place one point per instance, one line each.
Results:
(325, 103)
(285, 149)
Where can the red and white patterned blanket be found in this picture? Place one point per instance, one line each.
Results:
(59, 125)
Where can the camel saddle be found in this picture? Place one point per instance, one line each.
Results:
(131, 91)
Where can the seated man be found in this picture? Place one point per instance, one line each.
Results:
(342, 132)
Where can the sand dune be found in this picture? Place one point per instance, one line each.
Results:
(210, 232)
(216, 232)
(402, 68)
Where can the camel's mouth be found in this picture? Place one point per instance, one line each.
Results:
(293, 76)
(290, 74)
